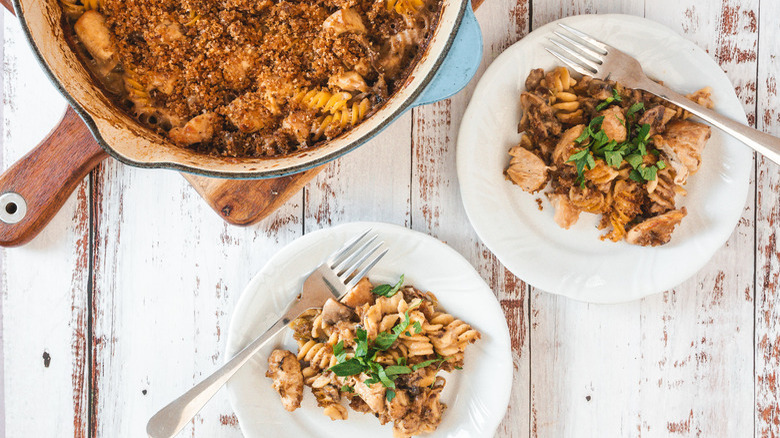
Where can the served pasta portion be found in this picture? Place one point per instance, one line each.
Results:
(380, 350)
(606, 149)
(250, 78)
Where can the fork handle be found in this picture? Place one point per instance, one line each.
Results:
(765, 144)
(172, 418)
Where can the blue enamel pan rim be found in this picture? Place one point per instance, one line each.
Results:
(87, 118)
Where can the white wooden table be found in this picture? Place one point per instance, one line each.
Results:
(124, 301)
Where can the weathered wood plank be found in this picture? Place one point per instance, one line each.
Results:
(437, 207)
(767, 336)
(167, 272)
(44, 284)
(707, 336)
(370, 183)
(655, 363)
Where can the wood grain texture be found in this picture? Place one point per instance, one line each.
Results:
(45, 178)
(437, 207)
(164, 284)
(767, 325)
(43, 285)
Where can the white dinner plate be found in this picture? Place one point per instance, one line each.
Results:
(575, 262)
(477, 396)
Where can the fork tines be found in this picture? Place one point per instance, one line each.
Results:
(583, 53)
(353, 261)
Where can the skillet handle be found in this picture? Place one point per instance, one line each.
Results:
(460, 64)
(34, 189)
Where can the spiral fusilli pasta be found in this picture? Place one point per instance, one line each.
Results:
(384, 355)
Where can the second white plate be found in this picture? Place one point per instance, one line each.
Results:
(477, 396)
(575, 262)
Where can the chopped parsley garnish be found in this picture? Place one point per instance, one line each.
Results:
(366, 351)
(597, 145)
(633, 109)
(347, 388)
(386, 290)
(438, 359)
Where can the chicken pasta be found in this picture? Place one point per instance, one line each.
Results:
(241, 78)
(380, 350)
(606, 149)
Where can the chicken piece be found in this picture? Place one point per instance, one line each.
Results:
(682, 144)
(198, 129)
(93, 32)
(566, 214)
(299, 124)
(526, 170)
(613, 124)
(566, 145)
(344, 20)
(602, 173)
(599, 89)
(285, 371)
(538, 117)
(656, 230)
(360, 294)
(657, 117)
(247, 113)
(373, 395)
(534, 78)
(348, 81)
(399, 405)
(333, 312)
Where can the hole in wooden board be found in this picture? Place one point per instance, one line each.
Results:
(11, 208)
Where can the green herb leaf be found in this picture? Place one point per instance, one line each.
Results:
(390, 395)
(395, 370)
(584, 136)
(384, 340)
(661, 165)
(458, 368)
(634, 160)
(401, 361)
(644, 133)
(417, 327)
(648, 173)
(387, 382)
(591, 161)
(347, 388)
(613, 158)
(595, 124)
(577, 155)
(361, 346)
(417, 366)
(348, 368)
(338, 351)
(633, 109)
(616, 96)
(386, 290)
(636, 176)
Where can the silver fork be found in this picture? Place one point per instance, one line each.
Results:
(589, 56)
(332, 279)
